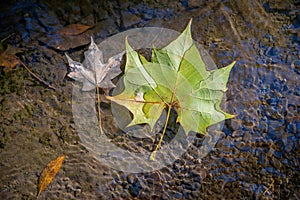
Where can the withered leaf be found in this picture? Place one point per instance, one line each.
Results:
(8, 59)
(93, 70)
(73, 29)
(49, 173)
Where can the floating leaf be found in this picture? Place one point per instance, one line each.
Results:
(96, 73)
(73, 29)
(8, 59)
(175, 78)
(49, 173)
(93, 62)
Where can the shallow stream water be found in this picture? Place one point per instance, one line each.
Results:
(257, 153)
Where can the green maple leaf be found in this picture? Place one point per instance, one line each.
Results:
(175, 78)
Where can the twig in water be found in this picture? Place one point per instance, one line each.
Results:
(38, 78)
(271, 185)
(7, 37)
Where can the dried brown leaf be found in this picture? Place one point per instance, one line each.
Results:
(73, 29)
(49, 173)
(8, 59)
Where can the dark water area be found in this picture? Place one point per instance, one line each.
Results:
(257, 154)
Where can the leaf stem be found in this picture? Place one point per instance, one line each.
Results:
(99, 109)
(152, 156)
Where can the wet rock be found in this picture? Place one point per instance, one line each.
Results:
(105, 28)
(135, 188)
(277, 6)
(194, 4)
(130, 19)
(64, 43)
(130, 178)
(48, 20)
(88, 20)
(237, 134)
(236, 123)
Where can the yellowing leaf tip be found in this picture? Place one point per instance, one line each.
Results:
(188, 27)
(190, 22)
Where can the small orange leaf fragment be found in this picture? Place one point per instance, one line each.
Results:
(49, 173)
(8, 59)
(73, 29)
